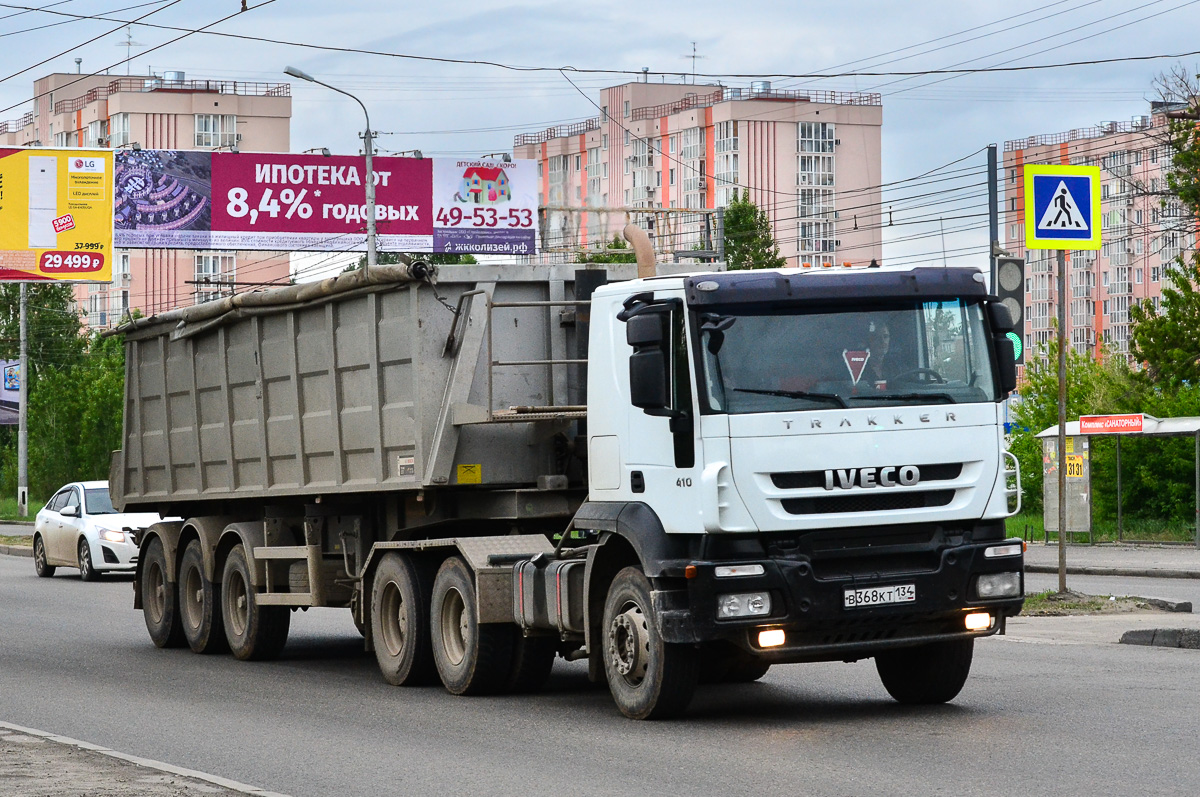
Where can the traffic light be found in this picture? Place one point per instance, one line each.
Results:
(1010, 287)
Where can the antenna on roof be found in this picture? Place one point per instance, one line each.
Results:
(129, 44)
(694, 58)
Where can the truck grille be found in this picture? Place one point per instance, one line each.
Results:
(797, 480)
(874, 501)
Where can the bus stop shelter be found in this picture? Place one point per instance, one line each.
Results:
(1142, 425)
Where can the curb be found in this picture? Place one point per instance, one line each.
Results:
(170, 769)
(1142, 572)
(1188, 638)
(17, 550)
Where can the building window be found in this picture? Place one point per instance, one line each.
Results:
(123, 264)
(627, 138)
(577, 168)
(672, 176)
(626, 109)
(604, 141)
(216, 130)
(213, 269)
(1012, 175)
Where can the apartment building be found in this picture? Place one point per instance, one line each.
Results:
(811, 159)
(165, 111)
(1143, 230)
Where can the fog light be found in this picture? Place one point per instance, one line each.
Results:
(747, 604)
(732, 571)
(998, 585)
(977, 621)
(997, 551)
(770, 639)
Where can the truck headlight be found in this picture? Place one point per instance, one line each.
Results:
(744, 604)
(998, 585)
(110, 535)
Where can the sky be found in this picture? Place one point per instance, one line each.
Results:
(474, 109)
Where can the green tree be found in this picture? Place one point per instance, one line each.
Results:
(623, 255)
(1165, 338)
(748, 239)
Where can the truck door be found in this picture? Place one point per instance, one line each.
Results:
(662, 454)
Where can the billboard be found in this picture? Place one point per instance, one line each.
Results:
(10, 391)
(278, 201)
(56, 219)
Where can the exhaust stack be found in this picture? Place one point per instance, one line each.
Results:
(639, 239)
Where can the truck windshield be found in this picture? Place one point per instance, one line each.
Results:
(880, 355)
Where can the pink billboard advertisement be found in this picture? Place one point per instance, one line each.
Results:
(269, 201)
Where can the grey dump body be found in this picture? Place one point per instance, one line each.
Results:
(379, 388)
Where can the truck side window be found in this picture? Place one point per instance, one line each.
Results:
(683, 422)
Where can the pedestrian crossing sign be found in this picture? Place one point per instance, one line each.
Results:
(1062, 207)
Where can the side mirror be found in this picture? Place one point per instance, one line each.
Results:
(1006, 362)
(1001, 317)
(70, 511)
(649, 388)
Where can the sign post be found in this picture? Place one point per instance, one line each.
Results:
(1062, 211)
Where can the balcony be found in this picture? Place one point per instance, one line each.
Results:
(16, 124)
(732, 94)
(144, 84)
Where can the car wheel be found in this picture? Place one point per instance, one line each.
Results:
(87, 570)
(39, 558)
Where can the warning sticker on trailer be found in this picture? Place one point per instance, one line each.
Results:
(470, 474)
(406, 466)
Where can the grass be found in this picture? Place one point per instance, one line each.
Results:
(1030, 526)
(8, 509)
(7, 540)
(1052, 603)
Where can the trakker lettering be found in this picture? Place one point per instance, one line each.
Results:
(906, 475)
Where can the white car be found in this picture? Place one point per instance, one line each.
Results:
(78, 527)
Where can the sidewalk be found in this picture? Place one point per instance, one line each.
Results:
(1115, 559)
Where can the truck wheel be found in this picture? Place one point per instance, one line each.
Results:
(746, 670)
(932, 673)
(200, 605)
(533, 658)
(471, 658)
(400, 621)
(87, 570)
(159, 607)
(254, 633)
(43, 569)
(648, 678)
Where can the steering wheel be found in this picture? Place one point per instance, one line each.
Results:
(920, 375)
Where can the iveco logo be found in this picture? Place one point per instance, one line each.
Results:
(907, 475)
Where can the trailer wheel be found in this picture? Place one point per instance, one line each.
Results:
(648, 678)
(43, 569)
(200, 604)
(932, 673)
(471, 658)
(159, 607)
(533, 658)
(400, 621)
(254, 632)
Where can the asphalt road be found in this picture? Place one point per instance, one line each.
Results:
(1043, 713)
(1171, 589)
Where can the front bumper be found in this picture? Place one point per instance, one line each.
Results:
(808, 604)
(115, 556)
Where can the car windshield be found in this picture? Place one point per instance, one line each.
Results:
(883, 355)
(97, 502)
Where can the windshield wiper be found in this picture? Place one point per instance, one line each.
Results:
(943, 397)
(799, 394)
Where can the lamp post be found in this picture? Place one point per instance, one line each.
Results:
(369, 149)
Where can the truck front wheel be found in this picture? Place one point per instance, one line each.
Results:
(200, 604)
(648, 678)
(472, 658)
(400, 621)
(932, 673)
(159, 607)
(254, 632)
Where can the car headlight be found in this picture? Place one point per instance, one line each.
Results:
(112, 535)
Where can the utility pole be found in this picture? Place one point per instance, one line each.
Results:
(1062, 420)
(23, 416)
(993, 217)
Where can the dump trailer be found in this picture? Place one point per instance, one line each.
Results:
(679, 478)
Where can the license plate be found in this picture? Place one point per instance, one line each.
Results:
(879, 596)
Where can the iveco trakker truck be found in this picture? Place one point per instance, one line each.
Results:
(675, 478)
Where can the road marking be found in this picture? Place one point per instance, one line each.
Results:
(216, 780)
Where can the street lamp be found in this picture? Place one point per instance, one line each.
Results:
(369, 148)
